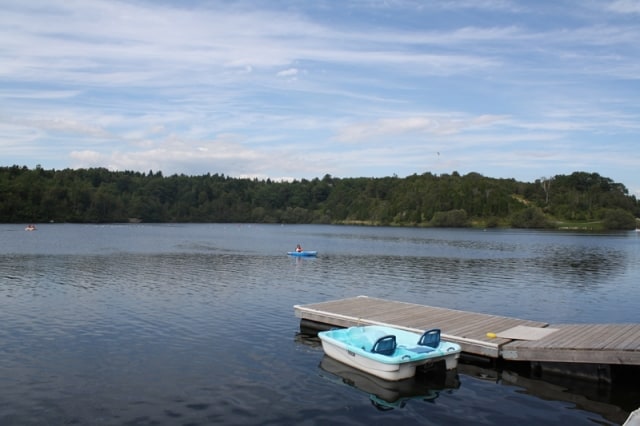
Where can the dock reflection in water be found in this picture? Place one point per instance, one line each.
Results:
(385, 395)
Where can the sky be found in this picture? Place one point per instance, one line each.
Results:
(296, 89)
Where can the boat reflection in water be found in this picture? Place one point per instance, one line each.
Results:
(387, 395)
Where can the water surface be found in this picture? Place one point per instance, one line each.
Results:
(194, 324)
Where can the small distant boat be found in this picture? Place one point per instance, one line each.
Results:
(30, 228)
(386, 352)
(303, 253)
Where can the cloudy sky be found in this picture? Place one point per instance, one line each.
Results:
(292, 89)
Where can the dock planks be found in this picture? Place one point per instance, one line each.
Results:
(573, 343)
(581, 343)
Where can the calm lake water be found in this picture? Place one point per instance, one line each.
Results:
(194, 324)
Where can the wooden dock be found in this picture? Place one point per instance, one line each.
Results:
(516, 339)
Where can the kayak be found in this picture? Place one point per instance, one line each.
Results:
(304, 253)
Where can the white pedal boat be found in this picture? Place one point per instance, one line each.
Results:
(387, 352)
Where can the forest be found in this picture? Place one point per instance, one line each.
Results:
(580, 200)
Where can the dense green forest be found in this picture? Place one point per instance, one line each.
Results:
(580, 200)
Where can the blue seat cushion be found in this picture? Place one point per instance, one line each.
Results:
(430, 338)
(385, 345)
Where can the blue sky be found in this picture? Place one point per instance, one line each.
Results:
(299, 89)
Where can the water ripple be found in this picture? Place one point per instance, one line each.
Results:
(194, 324)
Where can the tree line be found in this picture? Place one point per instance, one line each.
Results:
(97, 195)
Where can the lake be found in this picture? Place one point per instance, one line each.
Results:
(193, 324)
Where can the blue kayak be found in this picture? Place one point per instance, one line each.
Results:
(304, 253)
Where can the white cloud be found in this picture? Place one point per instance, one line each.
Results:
(64, 125)
(254, 89)
(291, 72)
(434, 125)
(625, 6)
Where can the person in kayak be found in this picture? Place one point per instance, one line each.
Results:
(298, 248)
